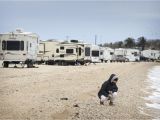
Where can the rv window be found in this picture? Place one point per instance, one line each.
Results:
(15, 45)
(22, 45)
(69, 50)
(57, 50)
(111, 53)
(62, 48)
(27, 45)
(80, 51)
(3, 45)
(30, 44)
(76, 50)
(87, 51)
(135, 54)
(101, 53)
(62, 55)
(95, 53)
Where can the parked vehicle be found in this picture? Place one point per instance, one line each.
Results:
(107, 54)
(150, 55)
(95, 54)
(120, 58)
(73, 52)
(19, 47)
(47, 51)
(132, 55)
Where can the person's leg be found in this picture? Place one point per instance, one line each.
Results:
(102, 99)
(112, 98)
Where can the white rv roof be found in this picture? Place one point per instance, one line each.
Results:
(20, 32)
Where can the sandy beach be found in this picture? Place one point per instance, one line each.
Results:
(70, 92)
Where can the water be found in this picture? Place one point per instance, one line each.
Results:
(154, 80)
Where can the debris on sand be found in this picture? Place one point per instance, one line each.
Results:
(75, 105)
(64, 99)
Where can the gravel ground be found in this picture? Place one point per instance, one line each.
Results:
(70, 92)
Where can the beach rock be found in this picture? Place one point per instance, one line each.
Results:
(75, 105)
(63, 98)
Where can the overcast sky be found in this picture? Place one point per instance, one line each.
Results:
(110, 20)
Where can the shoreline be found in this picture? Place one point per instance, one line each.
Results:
(36, 93)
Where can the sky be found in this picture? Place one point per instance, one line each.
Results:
(110, 21)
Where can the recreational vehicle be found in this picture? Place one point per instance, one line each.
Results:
(120, 55)
(107, 54)
(73, 52)
(95, 54)
(19, 47)
(47, 51)
(132, 55)
(151, 54)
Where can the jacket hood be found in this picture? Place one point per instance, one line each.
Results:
(112, 77)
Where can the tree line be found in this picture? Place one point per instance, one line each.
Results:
(141, 43)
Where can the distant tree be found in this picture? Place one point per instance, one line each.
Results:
(129, 43)
(141, 42)
(120, 44)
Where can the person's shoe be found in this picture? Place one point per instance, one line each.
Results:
(101, 103)
(111, 103)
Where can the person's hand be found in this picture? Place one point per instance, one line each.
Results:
(110, 92)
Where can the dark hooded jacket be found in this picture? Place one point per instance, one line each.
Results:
(108, 86)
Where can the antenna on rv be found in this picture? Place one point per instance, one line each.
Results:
(19, 30)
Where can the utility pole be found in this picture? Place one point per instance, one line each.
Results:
(95, 39)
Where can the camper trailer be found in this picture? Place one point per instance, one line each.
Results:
(107, 55)
(132, 55)
(120, 55)
(95, 54)
(19, 47)
(151, 54)
(47, 51)
(73, 52)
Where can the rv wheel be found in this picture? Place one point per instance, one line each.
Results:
(5, 64)
(29, 65)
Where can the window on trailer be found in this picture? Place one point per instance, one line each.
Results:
(80, 51)
(87, 51)
(13, 45)
(95, 53)
(69, 50)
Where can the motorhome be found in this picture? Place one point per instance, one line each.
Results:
(19, 47)
(95, 54)
(132, 55)
(73, 52)
(151, 54)
(107, 54)
(47, 51)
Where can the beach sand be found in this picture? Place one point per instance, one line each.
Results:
(70, 92)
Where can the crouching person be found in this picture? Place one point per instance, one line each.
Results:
(108, 90)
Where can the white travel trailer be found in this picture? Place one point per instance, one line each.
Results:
(66, 53)
(72, 53)
(120, 54)
(133, 55)
(47, 51)
(19, 47)
(95, 54)
(86, 52)
(151, 54)
(107, 54)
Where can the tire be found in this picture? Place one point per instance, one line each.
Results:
(30, 64)
(5, 64)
